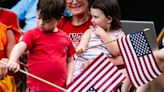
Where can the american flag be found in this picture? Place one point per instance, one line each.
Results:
(139, 59)
(101, 75)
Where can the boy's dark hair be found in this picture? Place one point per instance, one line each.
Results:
(110, 8)
(50, 8)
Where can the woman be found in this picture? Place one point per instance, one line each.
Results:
(79, 22)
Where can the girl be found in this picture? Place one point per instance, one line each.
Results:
(106, 28)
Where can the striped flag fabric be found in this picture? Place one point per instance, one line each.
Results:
(139, 59)
(101, 75)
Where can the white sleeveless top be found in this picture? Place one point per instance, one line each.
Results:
(95, 51)
(92, 53)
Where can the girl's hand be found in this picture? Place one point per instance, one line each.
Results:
(99, 31)
(79, 51)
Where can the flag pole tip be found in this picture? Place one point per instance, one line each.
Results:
(146, 29)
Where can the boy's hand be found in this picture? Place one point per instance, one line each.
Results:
(13, 66)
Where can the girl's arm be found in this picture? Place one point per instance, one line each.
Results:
(16, 52)
(84, 41)
(118, 59)
(106, 37)
(70, 69)
(112, 46)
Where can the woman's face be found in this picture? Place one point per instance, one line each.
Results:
(99, 18)
(77, 7)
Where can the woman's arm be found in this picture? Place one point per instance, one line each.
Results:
(159, 57)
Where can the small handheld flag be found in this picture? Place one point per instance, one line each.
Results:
(139, 59)
(101, 75)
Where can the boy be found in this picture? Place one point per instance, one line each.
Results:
(50, 52)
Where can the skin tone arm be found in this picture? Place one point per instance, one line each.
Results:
(117, 60)
(159, 56)
(70, 69)
(11, 42)
(84, 41)
(17, 51)
(112, 46)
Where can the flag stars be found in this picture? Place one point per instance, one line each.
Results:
(140, 44)
(137, 54)
(91, 89)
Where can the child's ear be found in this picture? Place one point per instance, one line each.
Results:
(110, 19)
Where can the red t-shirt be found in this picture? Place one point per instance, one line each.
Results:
(74, 32)
(47, 54)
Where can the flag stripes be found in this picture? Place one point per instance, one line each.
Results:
(101, 75)
(141, 69)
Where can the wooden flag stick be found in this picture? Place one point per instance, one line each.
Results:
(40, 79)
(145, 30)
